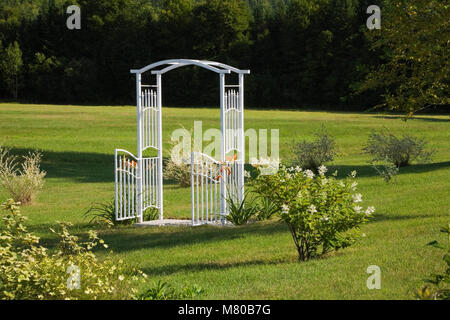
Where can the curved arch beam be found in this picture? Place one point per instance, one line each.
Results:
(225, 66)
(177, 63)
(195, 63)
(155, 65)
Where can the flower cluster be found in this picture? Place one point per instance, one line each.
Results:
(266, 166)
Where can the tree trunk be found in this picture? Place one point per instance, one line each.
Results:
(300, 246)
(15, 89)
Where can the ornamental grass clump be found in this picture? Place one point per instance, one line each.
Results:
(323, 213)
(240, 212)
(178, 171)
(22, 183)
(178, 167)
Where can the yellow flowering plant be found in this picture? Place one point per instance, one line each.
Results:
(73, 272)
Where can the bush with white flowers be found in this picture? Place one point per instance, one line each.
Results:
(322, 212)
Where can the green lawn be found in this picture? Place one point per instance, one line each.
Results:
(257, 261)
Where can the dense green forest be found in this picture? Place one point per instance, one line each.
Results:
(301, 52)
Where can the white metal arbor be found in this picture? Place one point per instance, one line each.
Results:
(139, 181)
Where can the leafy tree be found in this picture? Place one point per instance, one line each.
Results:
(174, 28)
(10, 66)
(301, 52)
(414, 43)
(220, 25)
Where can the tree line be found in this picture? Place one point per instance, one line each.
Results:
(302, 53)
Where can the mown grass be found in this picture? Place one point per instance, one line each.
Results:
(256, 261)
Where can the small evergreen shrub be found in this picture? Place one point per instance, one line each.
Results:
(401, 152)
(22, 183)
(323, 214)
(312, 154)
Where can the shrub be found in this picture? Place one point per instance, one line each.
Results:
(164, 291)
(438, 287)
(178, 167)
(178, 171)
(400, 152)
(387, 171)
(24, 183)
(311, 155)
(28, 271)
(322, 213)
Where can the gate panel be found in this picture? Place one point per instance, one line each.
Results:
(151, 139)
(206, 176)
(150, 183)
(127, 182)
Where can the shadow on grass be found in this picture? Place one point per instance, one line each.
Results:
(366, 171)
(97, 167)
(394, 117)
(162, 237)
(130, 238)
(50, 240)
(386, 217)
(78, 166)
(205, 266)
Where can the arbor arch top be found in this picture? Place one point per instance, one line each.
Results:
(172, 64)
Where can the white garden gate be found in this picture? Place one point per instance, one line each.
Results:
(139, 180)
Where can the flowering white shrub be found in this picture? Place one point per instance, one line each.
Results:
(322, 212)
